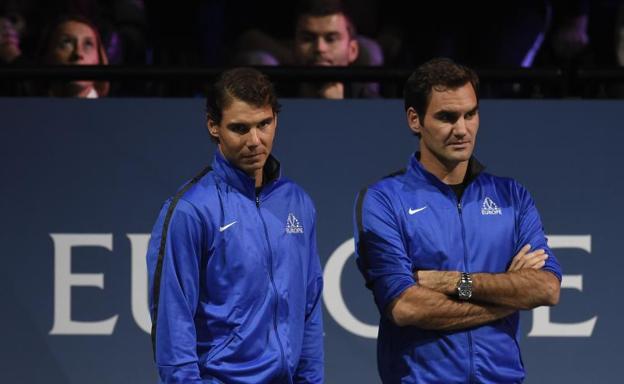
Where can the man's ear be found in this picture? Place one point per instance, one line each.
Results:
(354, 50)
(413, 120)
(213, 128)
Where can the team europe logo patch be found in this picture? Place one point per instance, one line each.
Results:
(293, 225)
(490, 208)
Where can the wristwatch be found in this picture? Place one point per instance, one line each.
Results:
(464, 286)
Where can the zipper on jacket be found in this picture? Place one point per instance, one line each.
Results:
(275, 308)
(468, 333)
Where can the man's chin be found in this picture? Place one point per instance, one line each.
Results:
(460, 154)
(455, 157)
(252, 167)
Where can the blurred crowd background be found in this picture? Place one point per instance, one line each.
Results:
(564, 35)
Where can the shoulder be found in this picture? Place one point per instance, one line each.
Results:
(195, 193)
(501, 182)
(380, 197)
(295, 191)
(386, 186)
(199, 190)
(509, 187)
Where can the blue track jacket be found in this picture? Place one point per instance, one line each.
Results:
(235, 281)
(412, 221)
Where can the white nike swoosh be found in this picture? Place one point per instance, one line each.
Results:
(412, 211)
(221, 229)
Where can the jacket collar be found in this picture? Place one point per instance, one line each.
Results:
(239, 180)
(415, 167)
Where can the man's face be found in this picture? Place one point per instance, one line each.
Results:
(449, 128)
(324, 40)
(245, 135)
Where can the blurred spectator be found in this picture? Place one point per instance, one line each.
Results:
(619, 36)
(9, 39)
(19, 13)
(567, 43)
(568, 34)
(12, 26)
(74, 40)
(324, 35)
(616, 89)
(122, 24)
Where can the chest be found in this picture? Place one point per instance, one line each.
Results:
(477, 233)
(255, 245)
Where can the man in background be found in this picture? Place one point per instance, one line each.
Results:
(324, 34)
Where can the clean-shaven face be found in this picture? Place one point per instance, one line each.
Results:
(449, 128)
(245, 135)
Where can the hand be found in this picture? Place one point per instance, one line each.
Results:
(528, 260)
(332, 91)
(439, 281)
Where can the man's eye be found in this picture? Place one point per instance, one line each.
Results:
(332, 38)
(447, 117)
(307, 38)
(470, 114)
(239, 128)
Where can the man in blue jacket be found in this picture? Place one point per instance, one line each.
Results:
(234, 275)
(451, 253)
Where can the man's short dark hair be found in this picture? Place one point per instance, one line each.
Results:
(321, 8)
(244, 84)
(439, 74)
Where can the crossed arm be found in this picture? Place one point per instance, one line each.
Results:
(431, 303)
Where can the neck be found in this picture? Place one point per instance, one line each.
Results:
(258, 176)
(448, 172)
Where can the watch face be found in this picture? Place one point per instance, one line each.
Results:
(464, 291)
(464, 287)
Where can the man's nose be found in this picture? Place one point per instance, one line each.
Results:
(254, 139)
(320, 45)
(460, 128)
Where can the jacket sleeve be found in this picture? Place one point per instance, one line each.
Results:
(531, 231)
(381, 254)
(310, 366)
(174, 288)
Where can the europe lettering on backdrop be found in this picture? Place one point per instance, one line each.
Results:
(335, 303)
(64, 280)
